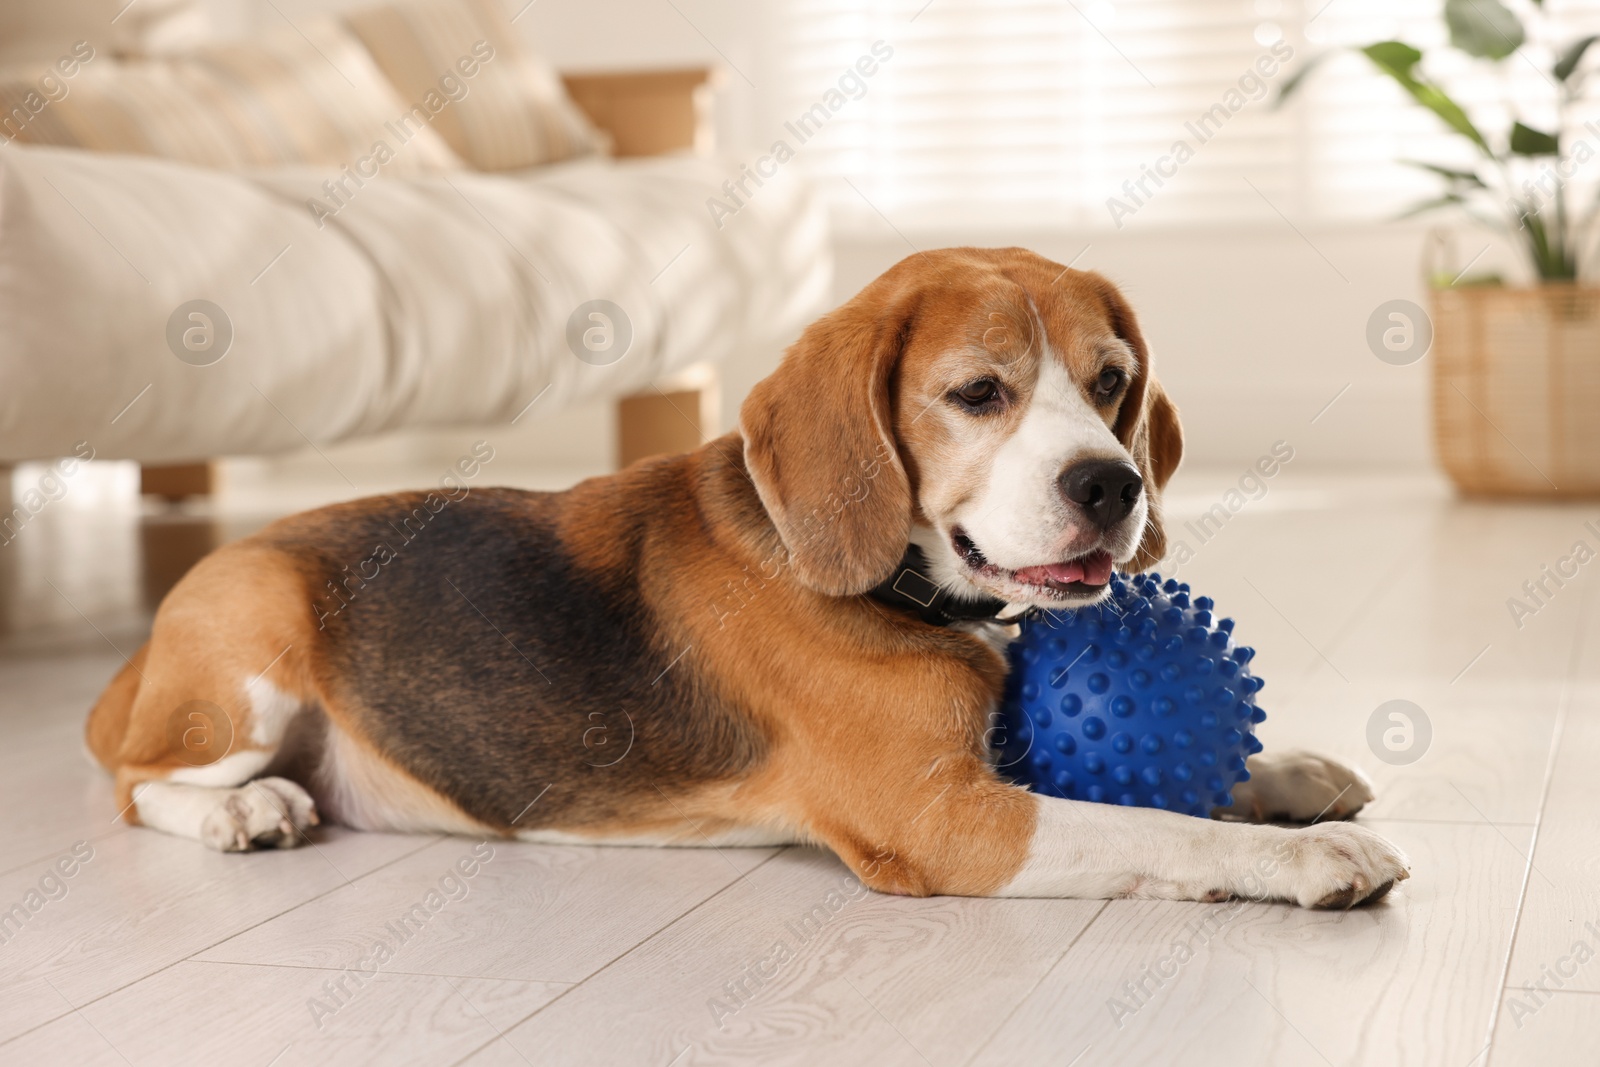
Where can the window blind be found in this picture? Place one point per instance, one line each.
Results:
(1055, 113)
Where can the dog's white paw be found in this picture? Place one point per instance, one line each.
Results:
(1336, 865)
(1297, 786)
(265, 813)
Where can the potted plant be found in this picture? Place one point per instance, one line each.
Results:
(1516, 374)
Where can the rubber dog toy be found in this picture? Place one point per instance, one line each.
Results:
(1142, 699)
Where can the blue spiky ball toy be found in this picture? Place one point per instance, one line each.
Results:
(1142, 699)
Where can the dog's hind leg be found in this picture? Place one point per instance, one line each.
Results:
(199, 714)
(262, 813)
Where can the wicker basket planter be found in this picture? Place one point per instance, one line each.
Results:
(1516, 389)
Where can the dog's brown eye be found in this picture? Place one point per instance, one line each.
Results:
(977, 394)
(1110, 382)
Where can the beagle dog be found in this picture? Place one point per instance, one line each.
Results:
(702, 649)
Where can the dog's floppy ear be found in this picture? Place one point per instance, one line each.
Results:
(819, 444)
(1156, 441)
(1147, 426)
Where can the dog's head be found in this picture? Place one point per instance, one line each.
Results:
(993, 406)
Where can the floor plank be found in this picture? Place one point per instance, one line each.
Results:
(1562, 908)
(1362, 597)
(1412, 980)
(1486, 760)
(88, 941)
(1546, 1031)
(866, 979)
(531, 913)
(42, 756)
(259, 1015)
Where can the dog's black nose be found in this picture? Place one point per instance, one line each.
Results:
(1106, 489)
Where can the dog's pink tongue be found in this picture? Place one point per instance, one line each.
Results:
(1052, 572)
(1093, 569)
(1097, 568)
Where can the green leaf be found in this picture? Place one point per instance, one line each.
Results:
(1484, 28)
(1299, 76)
(1397, 60)
(1549, 257)
(1395, 57)
(1570, 58)
(1451, 173)
(1527, 141)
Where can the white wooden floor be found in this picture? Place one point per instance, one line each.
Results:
(1355, 590)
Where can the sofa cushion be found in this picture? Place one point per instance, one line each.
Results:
(512, 112)
(308, 93)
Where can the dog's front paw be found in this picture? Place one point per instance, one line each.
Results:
(1337, 865)
(265, 813)
(1296, 786)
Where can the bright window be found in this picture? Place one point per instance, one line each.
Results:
(1036, 113)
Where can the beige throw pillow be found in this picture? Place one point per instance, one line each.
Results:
(303, 94)
(507, 108)
(40, 31)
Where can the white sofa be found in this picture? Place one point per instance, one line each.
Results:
(428, 299)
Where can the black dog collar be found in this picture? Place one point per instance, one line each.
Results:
(910, 589)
